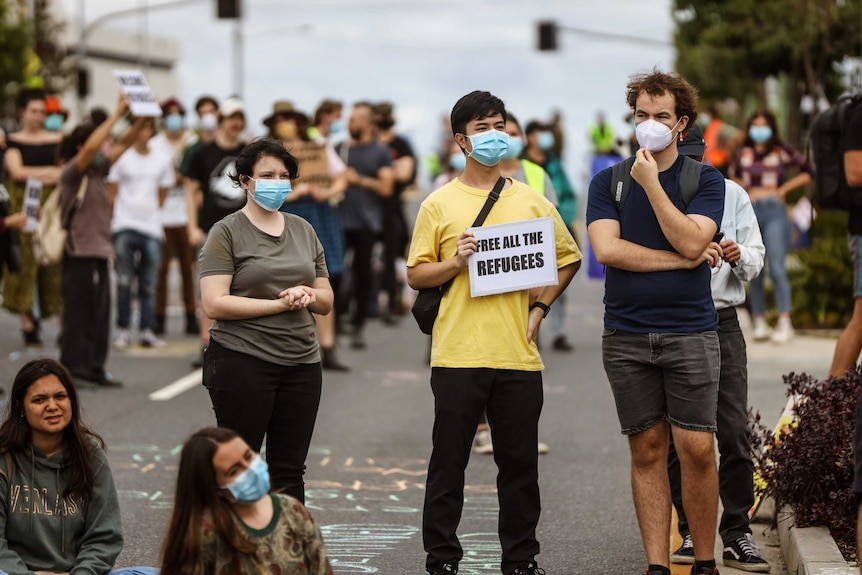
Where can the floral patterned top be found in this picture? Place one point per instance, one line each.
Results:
(290, 545)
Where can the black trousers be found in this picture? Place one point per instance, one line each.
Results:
(394, 238)
(260, 399)
(735, 469)
(86, 317)
(513, 400)
(361, 243)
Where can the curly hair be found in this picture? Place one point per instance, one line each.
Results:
(658, 83)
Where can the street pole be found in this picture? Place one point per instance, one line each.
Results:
(80, 55)
(238, 59)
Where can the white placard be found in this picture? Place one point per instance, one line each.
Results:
(142, 101)
(514, 256)
(32, 199)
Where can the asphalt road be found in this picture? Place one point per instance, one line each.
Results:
(366, 470)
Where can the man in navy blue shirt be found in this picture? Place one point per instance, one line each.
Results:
(659, 347)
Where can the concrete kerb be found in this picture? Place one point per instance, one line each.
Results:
(810, 550)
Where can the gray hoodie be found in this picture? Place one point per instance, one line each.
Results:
(42, 530)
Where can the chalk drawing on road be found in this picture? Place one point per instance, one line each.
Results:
(356, 548)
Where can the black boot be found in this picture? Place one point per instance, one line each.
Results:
(329, 360)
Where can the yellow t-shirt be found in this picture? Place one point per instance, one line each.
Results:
(488, 331)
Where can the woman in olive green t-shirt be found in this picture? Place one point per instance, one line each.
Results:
(263, 275)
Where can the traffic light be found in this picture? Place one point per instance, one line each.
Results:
(547, 35)
(228, 8)
(83, 83)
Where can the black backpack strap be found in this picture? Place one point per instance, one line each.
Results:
(621, 181)
(493, 196)
(689, 179)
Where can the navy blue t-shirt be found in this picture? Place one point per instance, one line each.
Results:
(678, 301)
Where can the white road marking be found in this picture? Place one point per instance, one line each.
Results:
(181, 385)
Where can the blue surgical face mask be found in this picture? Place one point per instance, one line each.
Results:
(335, 127)
(270, 194)
(516, 146)
(458, 162)
(53, 122)
(173, 122)
(704, 119)
(760, 134)
(252, 484)
(489, 147)
(545, 141)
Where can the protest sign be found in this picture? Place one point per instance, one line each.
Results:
(32, 199)
(142, 101)
(514, 256)
(313, 163)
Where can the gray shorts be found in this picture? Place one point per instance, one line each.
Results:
(663, 376)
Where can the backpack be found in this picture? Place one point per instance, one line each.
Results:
(826, 147)
(621, 180)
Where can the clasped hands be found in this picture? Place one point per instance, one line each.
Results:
(715, 253)
(298, 297)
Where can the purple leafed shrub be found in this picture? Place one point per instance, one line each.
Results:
(810, 466)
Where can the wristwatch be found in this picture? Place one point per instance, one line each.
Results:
(544, 307)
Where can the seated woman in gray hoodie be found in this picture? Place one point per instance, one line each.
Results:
(58, 505)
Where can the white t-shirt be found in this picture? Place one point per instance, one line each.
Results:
(174, 212)
(137, 204)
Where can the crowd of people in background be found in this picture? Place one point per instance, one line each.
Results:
(318, 203)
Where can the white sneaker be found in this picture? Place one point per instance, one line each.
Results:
(149, 339)
(761, 329)
(783, 332)
(543, 448)
(123, 339)
(482, 442)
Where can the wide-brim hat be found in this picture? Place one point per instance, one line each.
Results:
(282, 109)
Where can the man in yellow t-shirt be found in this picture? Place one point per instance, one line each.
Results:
(483, 355)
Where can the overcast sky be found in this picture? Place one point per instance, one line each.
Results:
(421, 54)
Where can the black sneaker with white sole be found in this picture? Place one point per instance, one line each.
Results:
(444, 569)
(742, 553)
(685, 554)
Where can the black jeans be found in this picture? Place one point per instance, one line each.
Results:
(361, 242)
(513, 400)
(257, 398)
(736, 469)
(86, 317)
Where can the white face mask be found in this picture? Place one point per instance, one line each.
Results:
(654, 136)
(209, 122)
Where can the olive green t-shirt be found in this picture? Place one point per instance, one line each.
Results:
(261, 267)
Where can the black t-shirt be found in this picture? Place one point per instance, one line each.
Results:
(400, 148)
(853, 141)
(210, 165)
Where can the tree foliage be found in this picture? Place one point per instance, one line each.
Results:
(55, 66)
(728, 47)
(14, 44)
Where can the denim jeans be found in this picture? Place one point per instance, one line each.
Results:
(735, 470)
(775, 229)
(513, 400)
(260, 399)
(137, 257)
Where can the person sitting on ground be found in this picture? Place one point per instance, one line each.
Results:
(226, 521)
(70, 523)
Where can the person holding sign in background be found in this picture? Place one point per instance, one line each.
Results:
(660, 348)
(322, 178)
(501, 370)
(32, 154)
(89, 245)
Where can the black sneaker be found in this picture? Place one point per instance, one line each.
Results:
(444, 569)
(528, 568)
(685, 554)
(704, 571)
(742, 553)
